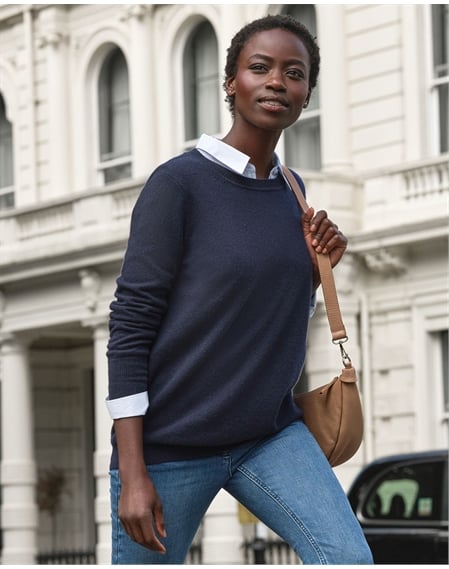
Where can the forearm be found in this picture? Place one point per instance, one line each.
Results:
(140, 509)
(130, 448)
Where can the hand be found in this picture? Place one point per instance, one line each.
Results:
(322, 236)
(140, 511)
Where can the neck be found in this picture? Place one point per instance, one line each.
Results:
(260, 149)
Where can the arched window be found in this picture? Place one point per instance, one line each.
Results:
(440, 74)
(201, 83)
(115, 135)
(6, 160)
(303, 139)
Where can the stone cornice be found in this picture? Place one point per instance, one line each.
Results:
(398, 235)
(28, 270)
(385, 251)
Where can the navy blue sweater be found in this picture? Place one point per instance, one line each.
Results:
(211, 309)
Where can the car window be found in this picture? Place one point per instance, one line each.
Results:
(444, 500)
(408, 492)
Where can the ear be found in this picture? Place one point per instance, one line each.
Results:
(230, 86)
(307, 101)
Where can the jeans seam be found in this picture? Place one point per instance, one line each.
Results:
(116, 529)
(243, 470)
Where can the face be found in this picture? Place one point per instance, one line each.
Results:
(272, 80)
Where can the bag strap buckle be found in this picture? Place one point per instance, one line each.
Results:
(344, 354)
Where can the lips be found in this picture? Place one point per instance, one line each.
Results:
(273, 102)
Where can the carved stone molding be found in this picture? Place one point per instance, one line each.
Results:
(137, 11)
(51, 38)
(345, 273)
(386, 261)
(90, 283)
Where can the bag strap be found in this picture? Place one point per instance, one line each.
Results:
(334, 317)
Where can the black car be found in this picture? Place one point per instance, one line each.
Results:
(401, 503)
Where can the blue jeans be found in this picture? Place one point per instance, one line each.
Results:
(284, 480)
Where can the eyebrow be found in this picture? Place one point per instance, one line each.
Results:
(291, 61)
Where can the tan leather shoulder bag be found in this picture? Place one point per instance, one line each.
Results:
(332, 412)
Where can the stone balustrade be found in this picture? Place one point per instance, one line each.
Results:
(413, 194)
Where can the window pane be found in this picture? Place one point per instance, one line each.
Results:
(304, 13)
(303, 140)
(303, 144)
(6, 151)
(444, 367)
(7, 200)
(314, 103)
(115, 173)
(443, 103)
(201, 83)
(207, 79)
(409, 492)
(440, 26)
(119, 118)
(115, 139)
(189, 92)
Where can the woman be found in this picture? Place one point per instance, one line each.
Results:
(208, 330)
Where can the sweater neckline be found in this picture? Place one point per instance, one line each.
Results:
(260, 184)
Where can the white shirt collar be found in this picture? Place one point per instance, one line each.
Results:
(231, 158)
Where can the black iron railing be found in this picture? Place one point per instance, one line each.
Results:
(67, 558)
(195, 555)
(256, 552)
(269, 552)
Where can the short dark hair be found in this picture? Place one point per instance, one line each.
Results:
(271, 22)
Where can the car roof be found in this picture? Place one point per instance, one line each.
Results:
(372, 468)
(405, 457)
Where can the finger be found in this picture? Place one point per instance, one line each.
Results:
(142, 532)
(316, 222)
(159, 521)
(306, 221)
(332, 239)
(308, 215)
(335, 242)
(324, 232)
(328, 234)
(128, 529)
(150, 540)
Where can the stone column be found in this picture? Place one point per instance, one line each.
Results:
(54, 42)
(335, 142)
(231, 19)
(143, 112)
(102, 447)
(18, 467)
(222, 541)
(414, 96)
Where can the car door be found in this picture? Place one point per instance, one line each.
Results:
(404, 513)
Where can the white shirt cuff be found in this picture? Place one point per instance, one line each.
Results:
(129, 406)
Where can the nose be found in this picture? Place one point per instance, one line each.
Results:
(275, 80)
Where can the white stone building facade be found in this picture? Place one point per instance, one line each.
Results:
(92, 98)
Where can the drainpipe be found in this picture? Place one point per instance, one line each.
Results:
(367, 380)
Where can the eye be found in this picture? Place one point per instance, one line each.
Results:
(296, 73)
(258, 68)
